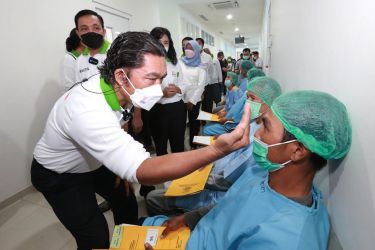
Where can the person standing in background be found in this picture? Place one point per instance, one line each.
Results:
(245, 56)
(212, 90)
(257, 60)
(90, 29)
(224, 70)
(194, 79)
(168, 116)
(183, 44)
(74, 49)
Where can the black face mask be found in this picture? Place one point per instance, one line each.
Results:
(92, 40)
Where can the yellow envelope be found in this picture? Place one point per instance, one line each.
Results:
(205, 116)
(190, 184)
(134, 238)
(204, 140)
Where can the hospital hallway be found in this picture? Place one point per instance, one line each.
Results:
(312, 45)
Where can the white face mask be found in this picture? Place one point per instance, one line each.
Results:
(189, 53)
(144, 98)
(166, 48)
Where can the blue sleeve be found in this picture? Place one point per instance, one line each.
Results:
(236, 108)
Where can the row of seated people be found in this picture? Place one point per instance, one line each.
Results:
(262, 196)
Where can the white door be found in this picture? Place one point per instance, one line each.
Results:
(114, 23)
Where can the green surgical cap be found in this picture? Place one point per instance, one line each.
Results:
(247, 65)
(234, 78)
(265, 88)
(254, 72)
(317, 120)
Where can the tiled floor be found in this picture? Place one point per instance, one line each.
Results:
(31, 224)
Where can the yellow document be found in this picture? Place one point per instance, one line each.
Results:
(134, 238)
(205, 116)
(190, 184)
(204, 140)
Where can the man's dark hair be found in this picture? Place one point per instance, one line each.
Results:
(246, 50)
(256, 52)
(82, 13)
(316, 160)
(127, 51)
(73, 41)
(157, 33)
(220, 54)
(201, 40)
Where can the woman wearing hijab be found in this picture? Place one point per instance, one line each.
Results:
(193, 77)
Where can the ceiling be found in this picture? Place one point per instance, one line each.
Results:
(247, 17)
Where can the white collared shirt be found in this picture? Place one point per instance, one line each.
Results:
(83, 132)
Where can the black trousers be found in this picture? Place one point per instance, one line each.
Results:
(194, 124)
(168, 122)
(72, 198)
(144, 136)
(212, 93)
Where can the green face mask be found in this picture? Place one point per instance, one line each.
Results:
(260, 152)
(255, 108)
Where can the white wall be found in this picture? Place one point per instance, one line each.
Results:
(330, 46)
(220, 42)
(33, 43)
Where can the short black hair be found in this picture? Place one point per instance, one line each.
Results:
(127, 51)
(72, 41)
(82, 13)
(187, 38)
(316, 160)
(201, 40)
(220, 53)
(246, 50)
(157, 33)
(256, 52)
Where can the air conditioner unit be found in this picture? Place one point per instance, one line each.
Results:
(224, 5)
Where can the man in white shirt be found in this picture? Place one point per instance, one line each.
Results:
(83, 134)
(208, 65)
(258, 62)
(245, 56)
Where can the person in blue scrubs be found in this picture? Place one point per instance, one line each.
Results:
(245, 66)
(234, 92)
(261, 94)
(281, 209)
(233, 116)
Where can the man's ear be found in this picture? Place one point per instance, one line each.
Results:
(300, 152)
(120, 78)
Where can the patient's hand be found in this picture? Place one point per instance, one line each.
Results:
(173, 224)
(221, 113)
(223, 120)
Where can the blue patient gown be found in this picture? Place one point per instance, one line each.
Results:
(253, 216)
(232, 97)
(235, 113)
(231, 166)
(243, 84)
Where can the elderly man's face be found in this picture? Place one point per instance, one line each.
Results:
(271, 132)
(253, 97)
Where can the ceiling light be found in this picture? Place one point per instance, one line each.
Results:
(229, 16)
(236, 29)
